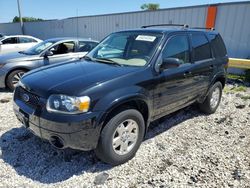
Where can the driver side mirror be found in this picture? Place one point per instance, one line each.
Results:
(48, 53)
(168, 63)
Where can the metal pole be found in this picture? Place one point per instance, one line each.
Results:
(77, 23)
(20, 17)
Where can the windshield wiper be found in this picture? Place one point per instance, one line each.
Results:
(106, 60)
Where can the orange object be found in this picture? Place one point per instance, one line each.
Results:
(211, 16)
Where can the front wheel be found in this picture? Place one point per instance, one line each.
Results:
(213, 99)
(13, 78)
(121, 137)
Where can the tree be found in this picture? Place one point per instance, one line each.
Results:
(26, 19)
(150, 6)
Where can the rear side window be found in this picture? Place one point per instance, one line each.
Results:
(177, 47)
(85, 46)
(11, 40)
(63, 48)
(26, 40)
(201, 47)
(217, 44)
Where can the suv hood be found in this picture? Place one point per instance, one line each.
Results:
(71, 78)
(16, 56)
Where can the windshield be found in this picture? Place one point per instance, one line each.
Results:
(37, 49)
(127, 48)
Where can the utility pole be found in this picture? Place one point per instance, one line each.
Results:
(77, 23)
(20, 16)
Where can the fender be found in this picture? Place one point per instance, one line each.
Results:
(119, 97)
(220, 74)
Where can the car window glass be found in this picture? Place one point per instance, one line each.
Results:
(63, 48)
(114, 48)
(85, 46)
(26, 40)
(11, 40)
(40, 47)
(217, 44)
(127, 48)
(201, 48)
(177, 47)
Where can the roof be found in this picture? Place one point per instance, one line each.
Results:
(18, 36)
(28, 36)
(166, 30)
(70, 38)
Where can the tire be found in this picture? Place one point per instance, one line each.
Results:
(13, 78)
(107, 150)
(210, 105)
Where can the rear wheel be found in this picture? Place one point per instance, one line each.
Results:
(121, 137)
(213, 99)
(13, 78)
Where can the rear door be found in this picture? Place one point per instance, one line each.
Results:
(174, 85)
(203, 62)
(9, 44)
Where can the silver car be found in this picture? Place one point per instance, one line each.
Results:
(14, 65)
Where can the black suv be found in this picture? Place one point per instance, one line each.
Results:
(107, 100)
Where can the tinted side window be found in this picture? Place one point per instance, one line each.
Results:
(217, 44)
(63, 48)
(11, 40)
(177, 47)
(201, 48)
(85, 46)
(26, 40)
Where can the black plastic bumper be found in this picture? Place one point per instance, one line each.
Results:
(81, 134)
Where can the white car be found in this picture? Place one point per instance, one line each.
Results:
(16, 43)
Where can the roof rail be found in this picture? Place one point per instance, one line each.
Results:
(207, 28)
(156, 25)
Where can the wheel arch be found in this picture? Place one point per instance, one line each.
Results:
(137, 103)
(220, 78)
(15, 69)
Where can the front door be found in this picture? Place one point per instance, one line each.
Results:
(62, 52)
(174, 87)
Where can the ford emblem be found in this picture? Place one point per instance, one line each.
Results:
(25, 97)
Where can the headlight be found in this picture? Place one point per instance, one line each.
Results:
(67, 104)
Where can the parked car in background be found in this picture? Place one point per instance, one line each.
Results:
(129, 80)
(15, 43)
(14, 65)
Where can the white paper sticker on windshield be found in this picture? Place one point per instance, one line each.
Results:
(146, 38)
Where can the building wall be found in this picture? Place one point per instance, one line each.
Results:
(231, 21)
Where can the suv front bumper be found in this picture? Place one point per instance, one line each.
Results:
(81, 134)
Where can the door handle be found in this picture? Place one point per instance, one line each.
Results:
(187, 73)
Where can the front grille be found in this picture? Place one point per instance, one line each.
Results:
(28, 98)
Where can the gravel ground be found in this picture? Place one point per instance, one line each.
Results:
(185, 149)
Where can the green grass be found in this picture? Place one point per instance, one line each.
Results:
(245, 97)
(236, 77)
(235, 89)
(245, 77)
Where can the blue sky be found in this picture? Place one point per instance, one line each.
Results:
(59, 9)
